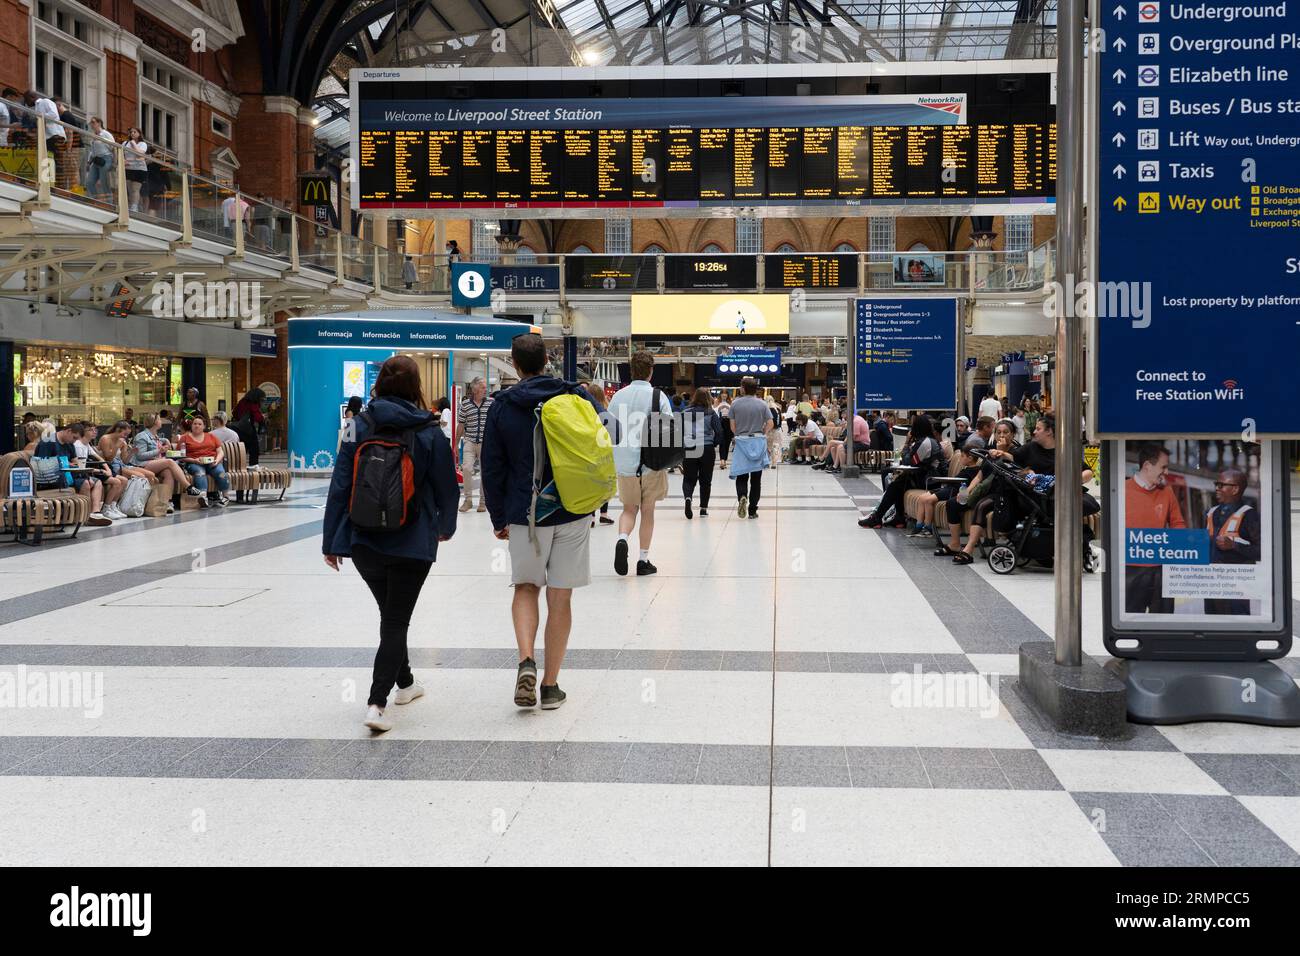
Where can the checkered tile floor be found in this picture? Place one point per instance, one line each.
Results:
(791, 690)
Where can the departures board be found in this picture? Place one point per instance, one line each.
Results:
(699, 152)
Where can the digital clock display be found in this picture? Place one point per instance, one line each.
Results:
(710, 272)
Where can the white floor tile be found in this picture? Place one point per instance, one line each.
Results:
(1118, 771)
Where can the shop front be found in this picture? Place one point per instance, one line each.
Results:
(332, 359)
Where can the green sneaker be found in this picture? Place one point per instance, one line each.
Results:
(552, 696)
(526, 683)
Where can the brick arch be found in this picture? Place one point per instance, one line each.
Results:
(802, 239)
(696, 241)
(660, 235)
(840, 230)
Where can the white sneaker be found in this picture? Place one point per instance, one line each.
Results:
(405, 695)
(376, 721)
(111, 512)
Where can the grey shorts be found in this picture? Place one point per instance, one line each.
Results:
(561, 558)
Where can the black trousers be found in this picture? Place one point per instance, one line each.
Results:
(750, 486)
(1142, 591)
(698, 470)
(725, 445)
(893, 496)
(396, 584)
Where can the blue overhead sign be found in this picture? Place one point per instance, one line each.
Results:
(905, 353)
(525, 278)
(262, 343)
(471, 285)
(750, 361)
(1199, 298)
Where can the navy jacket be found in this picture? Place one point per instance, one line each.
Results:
(437, 491)
(507, 452)
(704, 427)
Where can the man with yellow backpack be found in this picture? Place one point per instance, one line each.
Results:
(547, 465)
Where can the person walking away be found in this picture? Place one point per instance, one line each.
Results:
(702, 430)
(639, 488)
(471, 416)
(753, 421)
(724, 415)
(247, 416)
(991, 407)
(554, 553)
(409, 275)
(393, 562)
(598, 398)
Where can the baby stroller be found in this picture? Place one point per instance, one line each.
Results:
(1026, 515)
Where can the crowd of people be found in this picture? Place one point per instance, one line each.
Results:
(179, 451)
(394, 541)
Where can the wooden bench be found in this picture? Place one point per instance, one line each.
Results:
(247, 482)
(52, 511)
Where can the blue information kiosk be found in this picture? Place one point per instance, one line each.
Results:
(331, 358)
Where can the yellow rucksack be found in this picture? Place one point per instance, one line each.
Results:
(569, 434)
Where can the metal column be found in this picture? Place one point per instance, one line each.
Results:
(1068, 574)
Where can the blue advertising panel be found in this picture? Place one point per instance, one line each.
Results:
(1200, 196)
(906, 353)
(525, 278)
(471, 284)
(750, 361)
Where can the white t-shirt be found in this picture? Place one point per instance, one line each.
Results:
(446, 423)
(991, 407)
(47, 109)
(135, 153)
(790, 411)
(810, 430)
(226, 434)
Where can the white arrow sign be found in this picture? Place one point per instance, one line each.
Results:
(1118, 139)
(1119, 13)
(1119, 107)
(1119, 43)
(1118, 76)
(1119, 171)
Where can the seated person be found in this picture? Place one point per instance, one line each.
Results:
(221, 428)
(836, 448)
(807, 434)
(944, 491)
(32, 433)
(114, 484)
(924, 455)
(978, 498)
(149, 452)
(203, 460)
(63, 443)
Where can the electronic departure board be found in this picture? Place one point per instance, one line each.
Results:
(659, 153)
(797, 271)
(710, 272)
(609, 273)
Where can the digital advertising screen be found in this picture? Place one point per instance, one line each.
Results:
(711, 318)
(502, 148)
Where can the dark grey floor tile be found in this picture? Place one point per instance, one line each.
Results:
(1258, 849)
(735, 764)
(1026, 770)
(512, 760)
(306, 748)
(587, 658)
(810, 767)
(1143, 737)
(1289, 764)
(219, 757)
(886, 767)
(74, 757)
(946, 776)
(14, 750)
(961, 757)
(1128, 814)
(747, 661)
(147, 757)
(1212, 816)
(350, 767)
(437, 760)
(490, 658)
(1247, 774)
(597, 762)
(272, 657)
(641, 660)
(802, 662)
(661, 763)
(1177, 850)
(268, 767)
(688, 660)
(855, 663)
(376, 748)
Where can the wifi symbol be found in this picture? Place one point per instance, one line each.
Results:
(1230, 383)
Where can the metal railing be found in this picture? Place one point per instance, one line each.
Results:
(64, 161)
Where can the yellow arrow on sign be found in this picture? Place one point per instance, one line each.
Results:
(1120, 203)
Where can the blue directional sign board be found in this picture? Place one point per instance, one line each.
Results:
(1198, 305)
(516, 278)
(906, 353)
(471, 285)
(750, 361)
